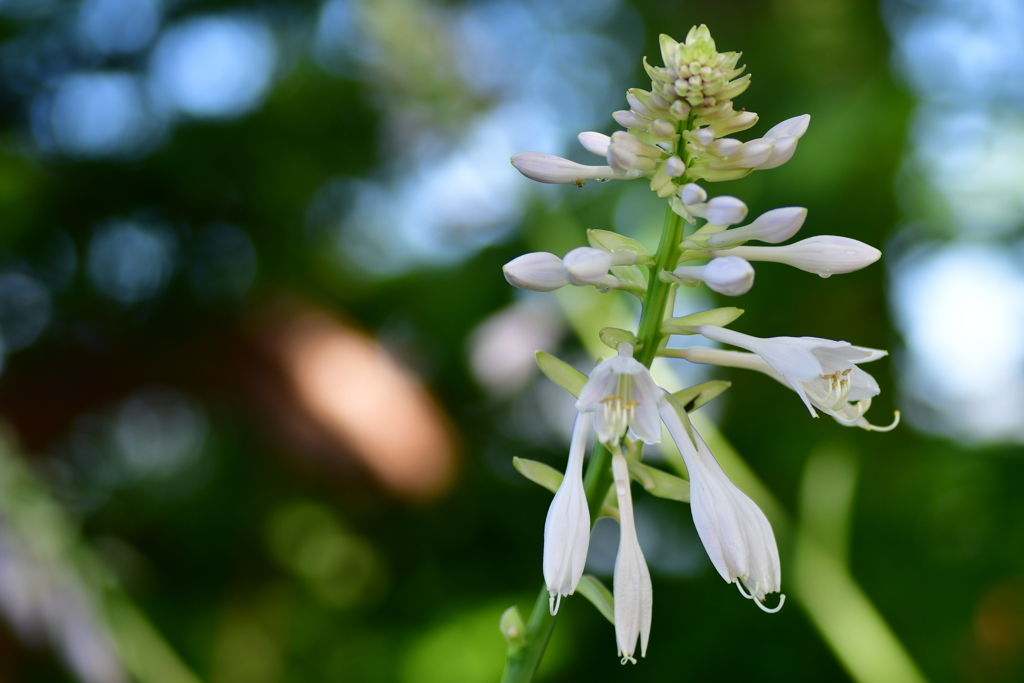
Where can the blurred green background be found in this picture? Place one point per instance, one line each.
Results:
(262, 379)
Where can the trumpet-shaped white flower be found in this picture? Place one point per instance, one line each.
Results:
(735, 533)
(567, 528)
(824, 255)
(622, 395)
(822, 372)
(634, 595)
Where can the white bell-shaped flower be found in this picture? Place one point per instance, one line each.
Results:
(822, 372)
(736, 535)
(537, 271)
(567, 528)
(622, 395)
(634, 596)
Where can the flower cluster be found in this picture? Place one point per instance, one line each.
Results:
(677, 136)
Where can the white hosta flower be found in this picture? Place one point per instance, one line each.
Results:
(735, 533)
(634, 595)
(728, 275)
(824, 255)
(548, 168)
(774, 226)
(567, 529)
(538, 271)
(589, 266)
(622, 395)
(822, 372)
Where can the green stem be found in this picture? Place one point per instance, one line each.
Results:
(649, 333)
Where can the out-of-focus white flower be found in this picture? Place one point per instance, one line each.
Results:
(728, 275)
(567, 528)
(822, 372)
(736, 534)
(824, 255)
(622, 395)
(774, 226)
(634, 595)
(548, 168)
(537, 271)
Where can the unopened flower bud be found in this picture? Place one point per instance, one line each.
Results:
(596, 143)
(751, 155)
(782, 151)
(538, 271)
(675, 167)
(586, 265)
(639, 107)
(794, 127)
(680, 110)
(724, 211)
(774, 226)
(734, 124)
(725, 147)
(704, 136)
(692, 193)
(824, 254)
(729, 275)
(548, 168)
(663, 129)
(634, 145)
(628, 119)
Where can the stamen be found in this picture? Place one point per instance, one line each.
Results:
(620, 407)
(896, 421)
(772, 610)
(554, 602)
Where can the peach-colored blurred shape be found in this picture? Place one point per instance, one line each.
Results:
(365, 399)
(996, 651)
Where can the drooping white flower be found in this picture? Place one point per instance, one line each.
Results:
(634, 595)
(622, 395)
(824, 255)
(728, 275)
(822, 372)
(567, 528)
(736, 535)
(537, 271)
